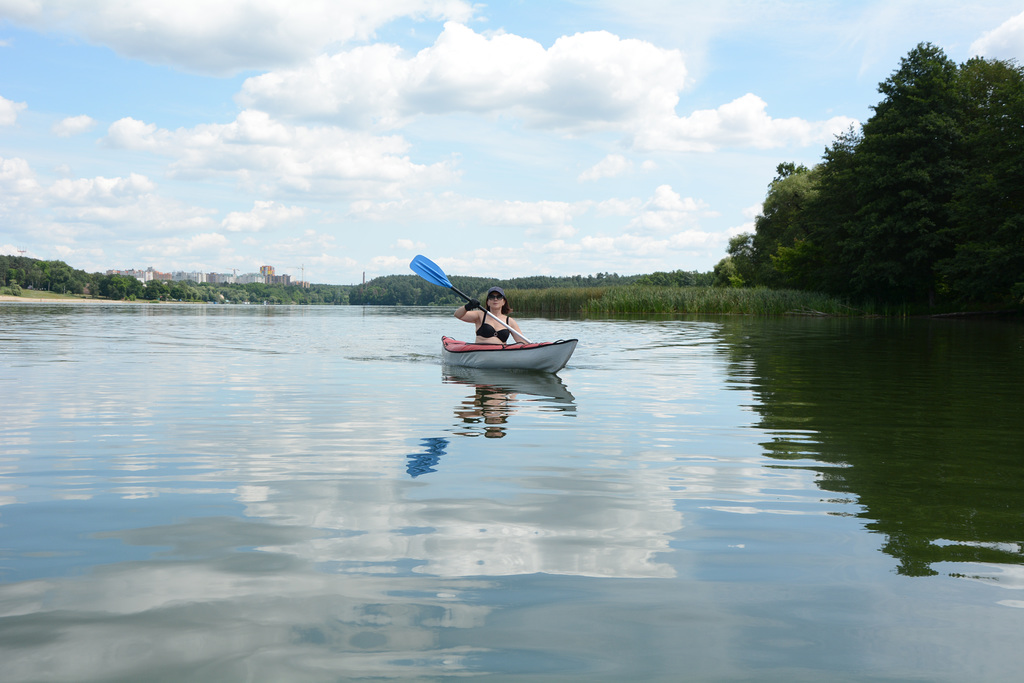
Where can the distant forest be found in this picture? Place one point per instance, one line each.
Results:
(18, 273)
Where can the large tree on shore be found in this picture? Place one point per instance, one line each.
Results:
(925, 201)
(987, 208)
(909, 163)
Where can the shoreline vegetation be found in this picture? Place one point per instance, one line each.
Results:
(638, 300)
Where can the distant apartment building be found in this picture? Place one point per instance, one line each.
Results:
(266, 276)
(142, 275)
(193, 276)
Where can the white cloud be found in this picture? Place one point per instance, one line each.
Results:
(611, 166)
(540, 218)
(583, 81)
(187, 252)
(73, 207)
(1004, 42)
(9, 111)
(225, 36)
(17, 180)
(752, 212)
(73, 125)
(281, 156)
(262, 215)
(667, 211)
(100, 190)
(740, 123)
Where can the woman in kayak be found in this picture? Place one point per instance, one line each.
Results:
(489, 330)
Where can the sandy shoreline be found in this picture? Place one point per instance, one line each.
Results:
(7, 298)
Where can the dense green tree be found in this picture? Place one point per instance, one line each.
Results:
(781, 221)
(676, 278)
(822, 258)
(909, 166)
(987, 263)
(725, 274)
(927, 200)
(120, 287)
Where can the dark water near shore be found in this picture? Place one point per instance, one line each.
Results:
(226, 493)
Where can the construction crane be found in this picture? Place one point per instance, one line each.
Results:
(302, 278)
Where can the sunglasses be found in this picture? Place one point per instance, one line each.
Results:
(495, 296)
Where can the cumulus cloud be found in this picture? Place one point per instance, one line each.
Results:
(9, 111)
(538, 218)
(740, 123)
(100, 190)
(611, 166)
(587, 80)
(283, 156)
(667, 211)
(409, 245)
(594, 81)
(226, 36)
(70, 207)
(1004, 42)
(16, 180)
(263, 214)
(73, 125)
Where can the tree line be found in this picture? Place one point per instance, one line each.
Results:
(20, 272)
(925, 203)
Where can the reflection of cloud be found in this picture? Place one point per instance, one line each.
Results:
(230, 615)
(613, 525)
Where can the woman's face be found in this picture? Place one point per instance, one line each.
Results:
(495, 300)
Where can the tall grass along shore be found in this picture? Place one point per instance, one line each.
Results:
(642, 299)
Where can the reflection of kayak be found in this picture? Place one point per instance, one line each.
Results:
(543, 356)
(545, 385)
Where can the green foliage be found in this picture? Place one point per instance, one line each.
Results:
(726, 274)
(676, 278)
(925, 203)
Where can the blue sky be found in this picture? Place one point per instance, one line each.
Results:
(504, 139)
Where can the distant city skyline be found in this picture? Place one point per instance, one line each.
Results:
(266, 275)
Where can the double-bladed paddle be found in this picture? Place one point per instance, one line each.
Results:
(429, 271)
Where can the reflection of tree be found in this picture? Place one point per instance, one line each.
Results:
(921, 420)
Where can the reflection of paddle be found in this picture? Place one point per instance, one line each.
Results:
(429, 271)
(422, 463)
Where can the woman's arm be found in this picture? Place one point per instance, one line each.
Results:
(469, 312)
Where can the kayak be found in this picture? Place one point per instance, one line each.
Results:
(540, 356)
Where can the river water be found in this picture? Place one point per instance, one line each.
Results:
(235, 493)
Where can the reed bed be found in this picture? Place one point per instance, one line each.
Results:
(641, 299)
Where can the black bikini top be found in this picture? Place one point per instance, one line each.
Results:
(486, 331)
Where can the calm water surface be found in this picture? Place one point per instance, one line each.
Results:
(200, 493)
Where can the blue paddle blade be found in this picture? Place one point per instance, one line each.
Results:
(428, 270)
